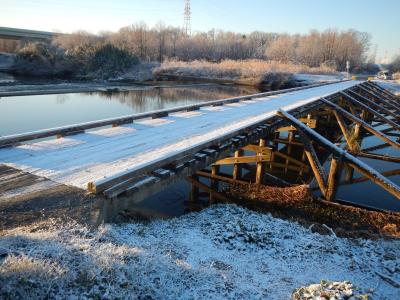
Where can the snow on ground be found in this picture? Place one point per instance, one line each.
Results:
(391, 85)
(223, 252)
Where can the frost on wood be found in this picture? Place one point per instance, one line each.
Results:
(223, 252)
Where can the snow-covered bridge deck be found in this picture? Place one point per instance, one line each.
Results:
(105, 156)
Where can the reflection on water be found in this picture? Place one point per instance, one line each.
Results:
(28, 113)
(6, 78)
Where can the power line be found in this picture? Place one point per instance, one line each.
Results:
(187, 29)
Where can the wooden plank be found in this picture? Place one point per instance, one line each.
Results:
(355, 163)
(244, 159)
(258, 149)
(365, 125)
(312, 123)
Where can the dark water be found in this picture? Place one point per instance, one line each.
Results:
(28, 113)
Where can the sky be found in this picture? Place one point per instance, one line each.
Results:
(380, 18)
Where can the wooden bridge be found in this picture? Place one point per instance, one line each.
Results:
(138, 155)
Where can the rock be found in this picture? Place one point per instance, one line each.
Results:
(325, 290)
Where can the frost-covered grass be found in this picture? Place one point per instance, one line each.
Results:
(223, 252)
(233, 69)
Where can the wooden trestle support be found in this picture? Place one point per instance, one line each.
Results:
(304, 147)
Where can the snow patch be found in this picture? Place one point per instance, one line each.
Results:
(223, 252)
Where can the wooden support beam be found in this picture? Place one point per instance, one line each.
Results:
(258, 149)
(237, 170)
(377, 105)
(198, 185)
(288, 167)
(377, 156)
(260, 165)
(333, 178)
(291, 159)
(221, 177)
(244, 159)
(384, 101)
(214, 183)
(365, 178)
(372, 111)
(365, 125)
(377, 87)
(377, 147)
(344, 129)
(314, 162)
(312, 123)
(286, 142)
(355, 163)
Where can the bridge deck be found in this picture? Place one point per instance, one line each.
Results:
(102, 152)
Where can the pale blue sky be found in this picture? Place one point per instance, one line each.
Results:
(381, 18)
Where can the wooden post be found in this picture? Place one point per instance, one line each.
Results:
(289, 149)
(260, 165)
(214, 182)
(349, 174)
(333, 178)
(237, 169)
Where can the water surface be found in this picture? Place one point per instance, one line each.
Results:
(29, 113)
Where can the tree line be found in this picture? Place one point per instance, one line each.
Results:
(162, 42)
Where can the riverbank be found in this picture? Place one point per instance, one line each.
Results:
(268, 75)
(297, 203)
(271, 74)
(222, 252)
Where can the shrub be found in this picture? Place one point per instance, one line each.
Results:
(110, 60)
(40, 53)
(41, 59)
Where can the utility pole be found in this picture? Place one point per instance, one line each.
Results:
(186, 19)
